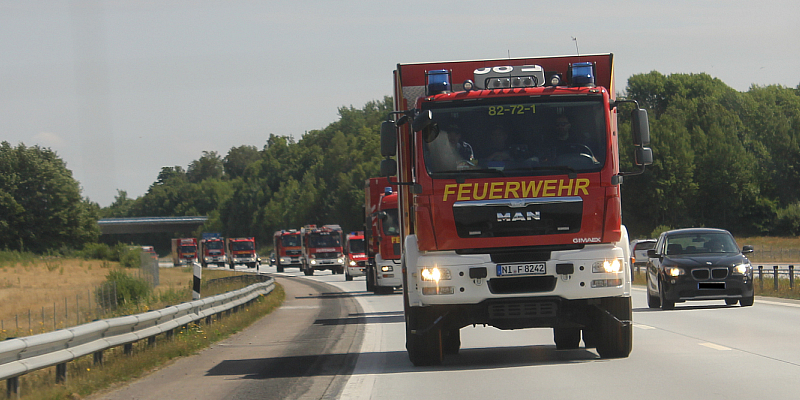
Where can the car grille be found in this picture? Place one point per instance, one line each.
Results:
(702, 274)
(292, 252)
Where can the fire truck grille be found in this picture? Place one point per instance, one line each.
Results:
(327, 255)
(538, 309)
(527, 217)
(528, 284)
(293, 252)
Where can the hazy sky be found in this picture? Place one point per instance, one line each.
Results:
(122, 88)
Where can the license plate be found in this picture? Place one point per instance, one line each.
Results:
(521, 269)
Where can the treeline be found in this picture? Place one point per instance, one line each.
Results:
(286, 184)
(723, 158)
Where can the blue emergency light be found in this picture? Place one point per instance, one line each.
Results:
(438, 82)
(582, 74)
(387, 190)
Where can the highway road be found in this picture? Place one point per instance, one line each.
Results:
(334, 340)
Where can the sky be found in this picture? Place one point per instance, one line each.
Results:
(121, 88)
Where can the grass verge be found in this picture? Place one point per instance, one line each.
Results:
(84, 378)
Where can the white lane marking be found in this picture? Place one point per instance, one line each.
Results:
(640, 326)
(715, 346)
(299, 307)
(776, 303)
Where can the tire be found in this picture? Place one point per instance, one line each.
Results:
(652, 301)
(424, 349)
(347, 277)
(747, 301)
(731, 302)
(665, 304)
(589, 338)
(567, 338)
(451, 341)
(280, 268)
(370, 282)
(615, 340)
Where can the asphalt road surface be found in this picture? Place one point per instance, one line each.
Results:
(334, 340)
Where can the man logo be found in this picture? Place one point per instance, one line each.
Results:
(518, 216)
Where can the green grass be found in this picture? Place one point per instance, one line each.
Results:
(84, 378)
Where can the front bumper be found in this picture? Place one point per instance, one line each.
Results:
(359, 269)
(320, 264)
(684, 288)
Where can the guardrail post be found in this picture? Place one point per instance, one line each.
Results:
(791, 276)
(151, 341)
(170, 334)
(61, 373)
(12, 387)
(761, 276)
(98, 357)
(127, 349)
(775, 276)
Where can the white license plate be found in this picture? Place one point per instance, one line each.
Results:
(521, 269)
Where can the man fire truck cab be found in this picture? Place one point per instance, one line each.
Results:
(322, 249)
(184, 251)
(382, 236)
(355, 256)
(242, 251)
(212, 250)
(530, 238)
(288, 249)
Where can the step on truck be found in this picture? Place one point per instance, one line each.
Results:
(288, 249)
(509, 200)
(355, 256)
(212, 250)
(322, 249)
(184, 251)
(382, 234)
(242, 251)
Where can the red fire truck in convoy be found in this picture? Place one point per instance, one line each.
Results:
(212, 250)
(184, 251)
(322, 249)
(242, 251)
(382, 236)
(355, 256)
(288, 249)
(509, 200)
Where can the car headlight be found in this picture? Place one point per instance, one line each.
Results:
(313, 262)
(741, 269)
(434, 274)
(608, 266)
(673, 271)
(353, 263)
(387, 268)
(340, 260)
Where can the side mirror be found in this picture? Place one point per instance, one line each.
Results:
(652, 253)
(382, 215)
(747, 249)
(388, 139)
(643, 156)
(640, 127)
(388, 167)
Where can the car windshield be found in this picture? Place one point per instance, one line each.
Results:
(644, 245)
(238, 246)
(290, 241)
(215, 245)
(188, 249)
(697, 243)
(390, 226)
(529, 136)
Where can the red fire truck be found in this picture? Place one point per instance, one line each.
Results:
(355, 256)
(322, 249)
(382, 236)
(288, 249)
(509, 200)
(242, 251)
(184, 251)
(212, 250)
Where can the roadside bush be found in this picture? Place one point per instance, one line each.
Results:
(788, 221)
(128, 289)
(658, 230)
(97, 251)
(130, 257)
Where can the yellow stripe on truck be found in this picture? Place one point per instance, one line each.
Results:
(516, 189)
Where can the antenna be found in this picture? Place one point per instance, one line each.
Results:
(574, 39)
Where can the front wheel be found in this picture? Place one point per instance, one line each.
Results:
(567, 338)
(747, 301)
(616, 334)
(423, 342)
(665, 304)
(347, 276)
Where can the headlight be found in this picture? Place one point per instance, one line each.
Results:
(353, 263)
(387, 268)
(313, 262)
(673, 271)
(612, 267)
(741, 269)
(434, 274)
(340, 260)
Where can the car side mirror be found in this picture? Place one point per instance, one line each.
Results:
(651, 253)
(747, 249)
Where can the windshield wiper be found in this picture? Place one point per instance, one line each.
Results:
(571, 172)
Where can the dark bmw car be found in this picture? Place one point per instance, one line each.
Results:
(698, 264)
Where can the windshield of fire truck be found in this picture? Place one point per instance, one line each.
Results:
(290, 241)
(390, 223)
(239, 246)
(188, 249)
(215, 245)
(356, 246)
(324, 240)
(518, 136)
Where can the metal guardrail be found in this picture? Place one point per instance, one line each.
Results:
(20, 356)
